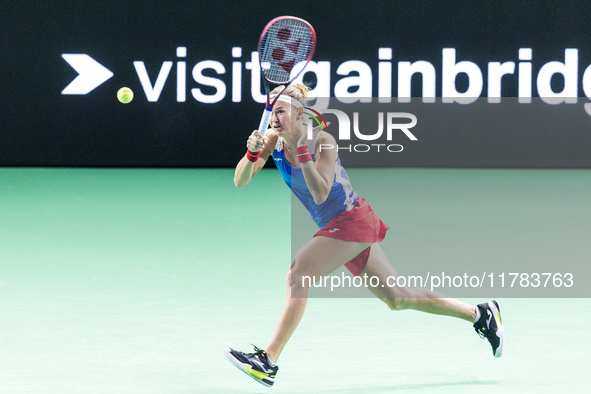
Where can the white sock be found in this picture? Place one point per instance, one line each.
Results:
(477, 314)
(271, 363)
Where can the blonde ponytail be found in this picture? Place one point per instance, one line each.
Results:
(302, 89)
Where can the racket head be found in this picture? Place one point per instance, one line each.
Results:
(285, 42)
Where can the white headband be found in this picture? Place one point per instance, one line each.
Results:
(290, 100)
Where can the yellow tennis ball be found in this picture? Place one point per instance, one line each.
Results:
(125, 95)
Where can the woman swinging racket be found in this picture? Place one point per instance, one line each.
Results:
(350, 232)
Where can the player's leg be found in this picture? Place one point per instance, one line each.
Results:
(486, 317)
(317, 258)
(420, 299)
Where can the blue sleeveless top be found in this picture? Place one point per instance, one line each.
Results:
(341, 198)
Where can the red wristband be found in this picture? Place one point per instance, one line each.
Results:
(302, 154)
(252, 156)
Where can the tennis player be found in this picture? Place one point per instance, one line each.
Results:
(350, 232)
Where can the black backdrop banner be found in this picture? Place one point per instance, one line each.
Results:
(194, 72)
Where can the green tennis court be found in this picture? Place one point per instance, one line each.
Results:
(134, 281)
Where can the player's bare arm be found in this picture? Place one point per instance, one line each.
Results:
(319, 175)
(248, 168)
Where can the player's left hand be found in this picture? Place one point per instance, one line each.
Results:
(304, 140)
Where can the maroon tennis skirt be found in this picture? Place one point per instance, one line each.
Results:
(360, 224)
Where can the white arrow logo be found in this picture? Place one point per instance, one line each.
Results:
(91, 73)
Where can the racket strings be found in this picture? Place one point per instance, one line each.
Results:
(286, 43)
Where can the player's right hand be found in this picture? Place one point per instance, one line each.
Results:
(255, 141)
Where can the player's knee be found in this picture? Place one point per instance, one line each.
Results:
(296, 268)
(298, 280)
(395, 304)
(399, 300)
(293, 277)
(293, 273)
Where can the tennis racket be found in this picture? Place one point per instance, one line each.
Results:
(286, 41)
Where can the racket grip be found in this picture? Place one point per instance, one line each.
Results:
(265, 120)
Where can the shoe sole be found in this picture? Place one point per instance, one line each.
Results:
(496, 310)
(242, 367)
